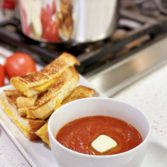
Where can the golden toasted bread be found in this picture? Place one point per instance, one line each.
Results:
(34, 83)
(52, 99)
(24, 102)
(78, 93)
(21, 102)
(27, 126)
(43, 134)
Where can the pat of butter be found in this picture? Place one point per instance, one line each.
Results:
(103, 143)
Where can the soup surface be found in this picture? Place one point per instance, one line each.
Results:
(79, 134)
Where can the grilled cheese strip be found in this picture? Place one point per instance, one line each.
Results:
(43, 134)
(27, 126)
(36, 82)
(12, 95)
(53, 98)
(78, 93)
(20, 101)
(23, 102)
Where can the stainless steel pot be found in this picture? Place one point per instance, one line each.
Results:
(77, 21)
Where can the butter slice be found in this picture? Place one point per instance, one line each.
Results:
(103, 143)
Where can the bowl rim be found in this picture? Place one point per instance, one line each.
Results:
(146, 139)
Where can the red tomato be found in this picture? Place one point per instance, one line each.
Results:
(2, 75)
(19, 64)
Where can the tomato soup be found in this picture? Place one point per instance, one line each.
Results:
(79, 134)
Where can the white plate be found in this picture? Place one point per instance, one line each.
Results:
(156, 155)
(38, 155)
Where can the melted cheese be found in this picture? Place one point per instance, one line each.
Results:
(44, 86)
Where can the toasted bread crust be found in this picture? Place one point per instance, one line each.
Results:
(79, 93)
(23, 102)
(27, 126)
(12, 96)
(55, 95)
(30, 84)
(43, 134)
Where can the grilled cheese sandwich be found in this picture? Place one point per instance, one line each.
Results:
(38, 94)
(27, 126)
(79, 93)
(36, 82)
(52, 99)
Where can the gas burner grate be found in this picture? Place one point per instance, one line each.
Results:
(153, 8)
(133, 30)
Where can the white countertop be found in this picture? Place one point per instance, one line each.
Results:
(149, 95)
(9, 154)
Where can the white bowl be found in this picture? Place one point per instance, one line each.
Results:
(93, 107)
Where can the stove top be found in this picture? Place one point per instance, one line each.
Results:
(133, 31)
(137, 29)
